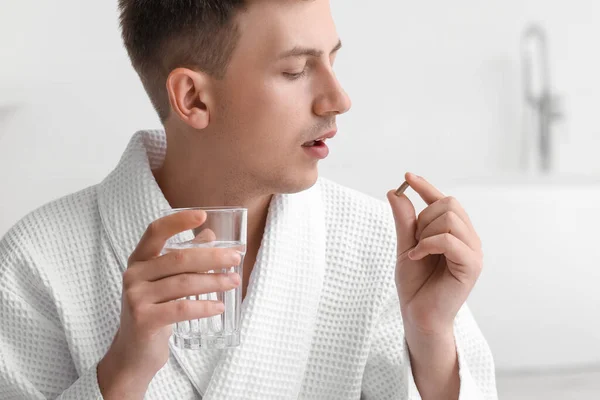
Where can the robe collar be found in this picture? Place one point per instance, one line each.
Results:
(280, 308)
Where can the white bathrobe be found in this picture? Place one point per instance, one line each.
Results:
(321, 319)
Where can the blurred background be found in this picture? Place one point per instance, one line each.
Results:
(494, 102)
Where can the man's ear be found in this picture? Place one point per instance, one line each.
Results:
(190, 96)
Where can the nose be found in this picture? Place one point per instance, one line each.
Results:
(333, 99)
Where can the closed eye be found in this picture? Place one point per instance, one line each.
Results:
(294, 76)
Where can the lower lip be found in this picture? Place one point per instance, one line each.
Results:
(319, 151)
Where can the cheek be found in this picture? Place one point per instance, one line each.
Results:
(278, 99)
(269, 115)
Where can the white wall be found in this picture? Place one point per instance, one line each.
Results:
(70, 98)
(435, 86)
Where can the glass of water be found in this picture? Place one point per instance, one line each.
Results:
(224, 227)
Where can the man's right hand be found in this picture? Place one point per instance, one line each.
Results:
(150, 283)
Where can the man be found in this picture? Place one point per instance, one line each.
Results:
(342, 299)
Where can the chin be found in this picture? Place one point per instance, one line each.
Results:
(299, 183)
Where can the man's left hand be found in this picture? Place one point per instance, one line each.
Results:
(439, 258)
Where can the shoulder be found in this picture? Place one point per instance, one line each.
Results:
(53, 229)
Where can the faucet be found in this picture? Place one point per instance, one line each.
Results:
(538, 96)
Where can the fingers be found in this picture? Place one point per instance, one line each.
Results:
(184, 285)
(453, 249)
(405, 219)
(404, 210)
(450, 222)
(449, 245)
(192, 260)
(182, 310)
(439, 208)
(157, 233)
(426, 190)
(205, 236)
(447, 213)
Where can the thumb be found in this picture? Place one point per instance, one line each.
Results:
(406, 221)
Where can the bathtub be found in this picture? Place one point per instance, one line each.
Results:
(538, 298)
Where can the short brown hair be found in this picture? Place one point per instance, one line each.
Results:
(161, 35)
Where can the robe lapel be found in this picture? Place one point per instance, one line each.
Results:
(279, 311)
(129, 199)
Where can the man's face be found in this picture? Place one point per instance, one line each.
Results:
(270, 104)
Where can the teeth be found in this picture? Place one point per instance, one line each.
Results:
(312, 143)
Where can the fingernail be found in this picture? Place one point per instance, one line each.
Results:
(199, 215)
(234, 278)
(235, 258)
(220, 307)
(411, 254)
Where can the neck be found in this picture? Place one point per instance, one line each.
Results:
(186, 182)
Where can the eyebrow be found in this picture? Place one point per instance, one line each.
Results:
(304, 51)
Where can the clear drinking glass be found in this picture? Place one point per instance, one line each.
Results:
(224, 227)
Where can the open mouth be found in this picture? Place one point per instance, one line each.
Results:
(314, 143)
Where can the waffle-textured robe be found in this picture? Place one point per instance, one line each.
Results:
(321, 319)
